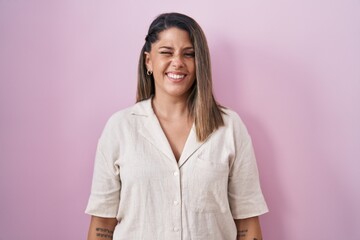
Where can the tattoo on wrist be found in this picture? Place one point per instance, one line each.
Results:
(104, 233)
(242, 232)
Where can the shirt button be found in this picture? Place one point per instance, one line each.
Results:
(176, 202)
(176, 173)
(176, 229)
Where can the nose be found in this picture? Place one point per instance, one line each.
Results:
(177, 61)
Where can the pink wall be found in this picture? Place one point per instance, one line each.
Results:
(292, 70)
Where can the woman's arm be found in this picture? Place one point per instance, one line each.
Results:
(101, 228)
(248, 229)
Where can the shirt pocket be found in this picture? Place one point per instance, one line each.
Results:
(209, 187)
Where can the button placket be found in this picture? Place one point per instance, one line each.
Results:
(176, 204)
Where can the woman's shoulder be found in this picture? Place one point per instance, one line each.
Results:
(231, 115)
(125, 116)
(124, 120)
(139, 108)
(233, 119)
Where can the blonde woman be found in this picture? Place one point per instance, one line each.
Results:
(176, 165)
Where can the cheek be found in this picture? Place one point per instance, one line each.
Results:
(160, 67)
(191, 66)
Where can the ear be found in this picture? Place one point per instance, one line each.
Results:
(148, 61)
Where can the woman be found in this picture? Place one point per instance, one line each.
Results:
(176, 165)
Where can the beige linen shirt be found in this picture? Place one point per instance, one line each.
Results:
(138, 180)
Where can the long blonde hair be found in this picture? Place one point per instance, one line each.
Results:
(201, 102)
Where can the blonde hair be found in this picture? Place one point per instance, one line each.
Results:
(201, 102)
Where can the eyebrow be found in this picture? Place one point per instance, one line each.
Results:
(170, 48)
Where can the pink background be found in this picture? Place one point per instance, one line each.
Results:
(290, 68)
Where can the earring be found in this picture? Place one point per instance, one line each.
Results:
(149, 72)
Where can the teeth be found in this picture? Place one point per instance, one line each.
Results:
(175, 76)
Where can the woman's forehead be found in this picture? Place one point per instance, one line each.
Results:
(172, 37)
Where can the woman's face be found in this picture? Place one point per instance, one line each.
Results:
(172, 60)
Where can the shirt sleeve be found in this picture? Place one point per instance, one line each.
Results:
(244, 191)
(105, 190)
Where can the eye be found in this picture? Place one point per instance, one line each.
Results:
(165, 53)
(190, 54)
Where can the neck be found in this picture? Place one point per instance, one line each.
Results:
(169, 107)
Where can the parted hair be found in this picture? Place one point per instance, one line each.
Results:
(207, 113)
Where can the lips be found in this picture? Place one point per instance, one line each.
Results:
(176, 76)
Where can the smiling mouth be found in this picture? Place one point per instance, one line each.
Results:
(175, 76)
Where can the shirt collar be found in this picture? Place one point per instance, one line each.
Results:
(143, 108)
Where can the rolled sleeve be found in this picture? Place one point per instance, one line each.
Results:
(244, 191)
(105, 190)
